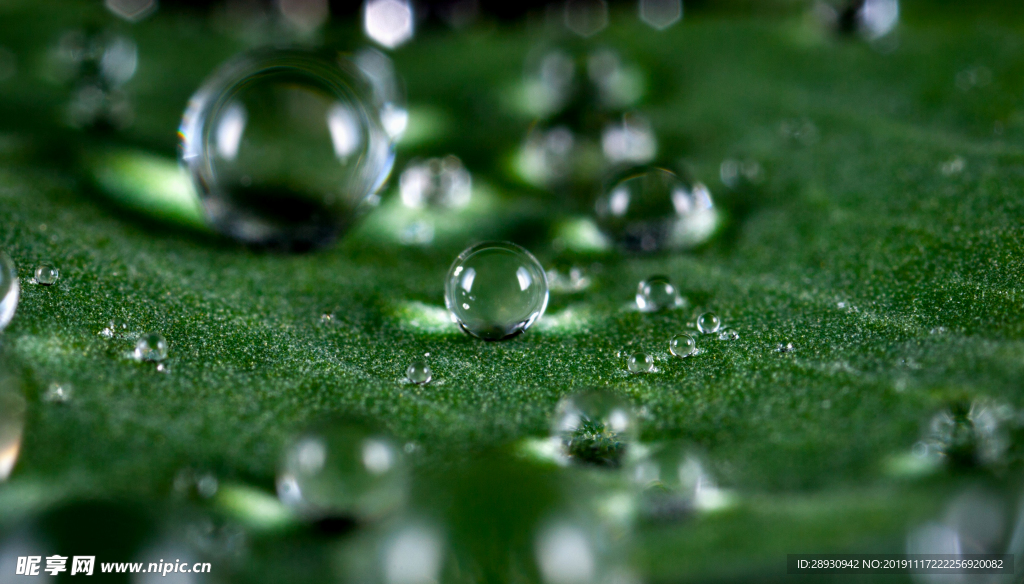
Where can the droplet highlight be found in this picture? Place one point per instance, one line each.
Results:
(10, 290)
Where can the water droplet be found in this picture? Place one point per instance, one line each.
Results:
(437, 182)
(342, 469)
(682, 346)
(739, 173)
(131, 10)
(661, 14)
(496, 290)
(566, 554)
(47, 275)
(801, 131)
(96, 65)
(58, 393)
(629, 140)
(568, 278)
(151, 347)
(872, 19)
(326, 318)
(12, 423)
(785, 348)
(651, 209)
(283, 147)
(10, 289)
(390, 23)
(419, 372)
(586, 17)
(728, 336)
(675, 481)
(953, 166)
(657, 293)
(192, 483)
(640, 363)
(595, 427)
(709, 323)
(972, 434)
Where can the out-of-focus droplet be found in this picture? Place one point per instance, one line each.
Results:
(595, 427)
(10, 289)
(389, 23)
(652, 209)
(548, 156)
(586, 17)
(640, 362)
(304, 15)
(413, 554)
(131, 10)
(46, 275)
(419, 372)
(872, 19)
(195, 484)
(739, 173)
(682, 346)
(709, 323)
(496, 290)
(343, 469)
(785, 348)
(283, 147)
(8, 64)
(151, 347)
(629, 141)
(728, 336)
(953, 166)
(96, 66)
(58, 393)
(974, 522)
(12, 422)
(675, 481)
(657, 293)
(436, 182)
(566, 554)
(387, 90)
(661, 14)
(975, 434)
(568, 278)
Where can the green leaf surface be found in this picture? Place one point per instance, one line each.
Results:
(883, 243)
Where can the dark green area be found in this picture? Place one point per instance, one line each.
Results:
(897, 283)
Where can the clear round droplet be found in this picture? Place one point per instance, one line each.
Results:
(419, 372)
(151, 347)
(342, 469)
(283, 146)
(10, 290)
(709, 323)
(46, 275)
(496, 290)
(640, 363)
(649, 209)
(58, 393)
(682, 346)
(441, 183)
(595, 427)
(657, 293)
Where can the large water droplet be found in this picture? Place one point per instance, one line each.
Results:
(651, 209)
(151, 347)
(709, 323)
(496, 290)
(342, 469)
(10, 290)
(675, 481)
(595, 427)
(657, 293)
(640, 362)
(283, 146)
(682, 346)
(46, 275)
(419, 372)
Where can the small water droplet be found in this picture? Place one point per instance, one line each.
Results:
(191, 483)
(657, 293)
(682, 345)
(784, 348)
(326, 318)
(342, 469)
(953, 166)
(651, 209)
(419, 372)
(496, 290)
(568, 279)
(709, 323)
(740, 173)
(972, 434)
(10, 290)
(595, 427)
(640, 363)
(46, 275)
(728, 336)
(58, 393)
(284, 146)
(151, 347)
